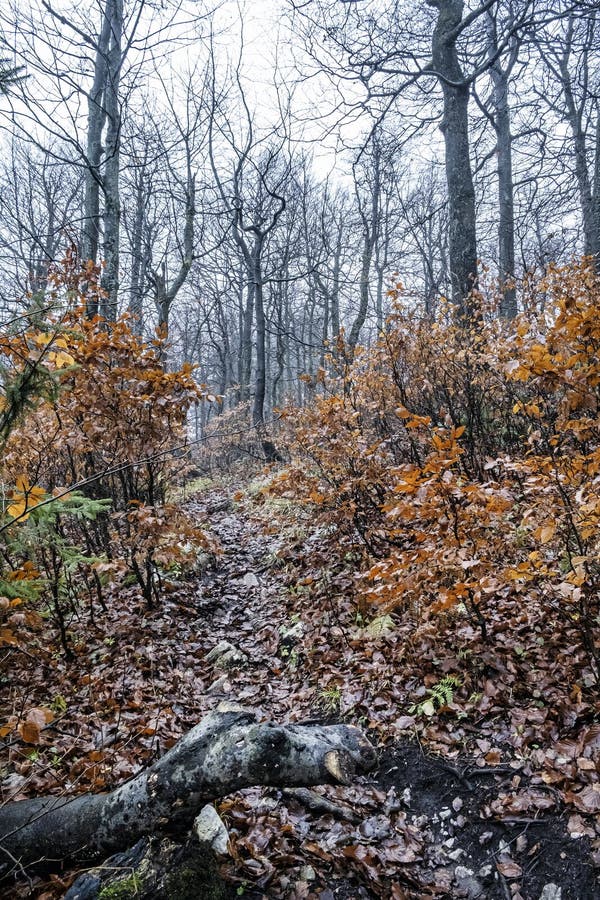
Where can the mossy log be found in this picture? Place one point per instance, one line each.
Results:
(155, 869)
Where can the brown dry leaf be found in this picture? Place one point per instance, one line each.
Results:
(7, 636)
(367, 858)
(29, 732)
(397, 853)
(493, 758)
(396, 892)
(587, 800)
(317, 850)
(577, 827)
(592, 736)
(6, 729)
(509, 869)
(40, 716)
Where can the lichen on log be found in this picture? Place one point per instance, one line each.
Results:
(228, 750)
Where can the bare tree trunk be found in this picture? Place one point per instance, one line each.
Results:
(245, 358)
(335, 291)
(455, 128)
(574, 109)
(227, 751)
(382, 248)
(370, 222)
(258, 408)
(506, 226)
(581, 164)
(596, 194)
(112, 199)
(324, 328)
(506, 206)
(93, 176)
(165, 293)
(136, 297)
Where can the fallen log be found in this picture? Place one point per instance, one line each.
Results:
(228, 750)
(155, 869)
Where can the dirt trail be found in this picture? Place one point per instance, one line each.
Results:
(419, 826)
(242, 600)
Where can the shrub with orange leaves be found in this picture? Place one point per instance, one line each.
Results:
(466, 462)
(88, 456)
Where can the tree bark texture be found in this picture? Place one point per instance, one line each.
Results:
(462, 237)
(112, 197)
(506, 205)
(370, 223)
(93, 176)
(155, 869)
(225, 752)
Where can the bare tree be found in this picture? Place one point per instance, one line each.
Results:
(83, 66)
(571, 57)
(40, 201)
(500, 73)
(394, 54)
(369, 207)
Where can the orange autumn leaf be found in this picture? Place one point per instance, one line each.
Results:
(24, 496)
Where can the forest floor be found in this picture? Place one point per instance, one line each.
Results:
(494, 795)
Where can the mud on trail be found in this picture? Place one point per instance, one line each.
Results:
(451, 810)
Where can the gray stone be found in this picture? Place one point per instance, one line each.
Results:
(211, 831)
(227, 656)
(467, 883)
(307, 873)
(551, 892)
(221, 686)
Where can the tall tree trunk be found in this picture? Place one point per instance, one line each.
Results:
(596, 194)
(324, 328)
(112, 199)
(370, 231)
(245, 357)
(136, 296)
(93, 175)
(462, 236)
(506, 226)
(506, 206)
(578, 42)
(381, 262)
(335, 291)
(258, 409)
(575, 108)
(582, 175)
